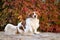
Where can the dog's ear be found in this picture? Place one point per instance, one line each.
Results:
(37, 13)
(30, 15)
(38, 16)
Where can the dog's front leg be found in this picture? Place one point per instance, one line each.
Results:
(36, 32)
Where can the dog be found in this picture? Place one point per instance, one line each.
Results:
(32, 23)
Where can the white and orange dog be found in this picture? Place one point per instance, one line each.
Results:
(32, 24)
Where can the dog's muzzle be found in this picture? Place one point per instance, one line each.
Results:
(34, 16)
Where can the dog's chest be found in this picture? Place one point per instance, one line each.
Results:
(34, 22)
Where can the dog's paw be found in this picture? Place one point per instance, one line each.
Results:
(37, 33)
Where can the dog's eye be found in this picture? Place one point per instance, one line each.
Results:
(32, 13)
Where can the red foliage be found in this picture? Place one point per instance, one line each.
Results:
(47, 12)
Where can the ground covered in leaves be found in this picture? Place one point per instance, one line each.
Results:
(41, 36)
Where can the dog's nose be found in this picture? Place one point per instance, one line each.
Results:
(34, 16)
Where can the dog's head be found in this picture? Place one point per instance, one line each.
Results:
(33, 15)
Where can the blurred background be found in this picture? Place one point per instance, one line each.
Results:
(13, 11)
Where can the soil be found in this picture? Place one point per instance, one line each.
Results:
(41, 36)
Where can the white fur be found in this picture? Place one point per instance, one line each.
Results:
(32, 24)
(10, 29)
